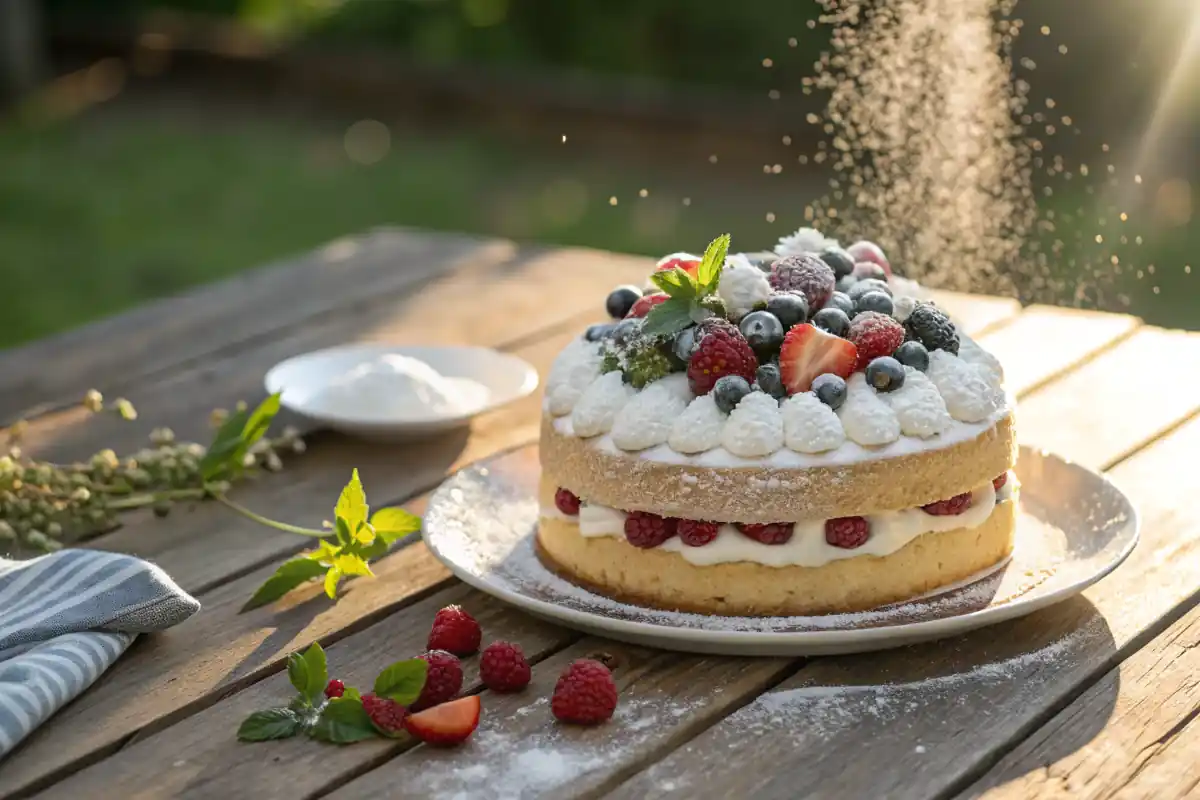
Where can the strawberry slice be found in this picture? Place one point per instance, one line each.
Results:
(446, 724)
(808, 351)
(685, 261)
(643, 305)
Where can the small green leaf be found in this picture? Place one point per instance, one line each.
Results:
(326, 553)
(352, 505)
(290, 574)
(318, 674)
(331, 582)
(350, 693)
(708, 275)
(298, 673)
(343, 720)
(274, 723)
(350, 564)
(667, 319)
(344, 536)
(402, 681)
(392, 524)
(255, 427)
(225, 444)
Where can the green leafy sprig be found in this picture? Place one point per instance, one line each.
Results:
(340, 720)
(685, 306)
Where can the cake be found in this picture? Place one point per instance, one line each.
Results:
(786, 433)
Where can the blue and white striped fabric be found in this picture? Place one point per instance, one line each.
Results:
(64, 619)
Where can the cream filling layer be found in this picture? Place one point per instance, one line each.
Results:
(890, 531)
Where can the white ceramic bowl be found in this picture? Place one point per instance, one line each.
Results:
(303, 378)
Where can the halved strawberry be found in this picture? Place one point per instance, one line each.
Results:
(808, 351)
(446, 724)
(685, 261)
(643, 305)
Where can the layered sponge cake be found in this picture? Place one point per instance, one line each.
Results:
(775, 434)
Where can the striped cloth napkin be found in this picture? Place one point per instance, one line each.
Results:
(64, 619)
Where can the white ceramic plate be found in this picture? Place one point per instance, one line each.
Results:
(301, 378)
(1074, 528)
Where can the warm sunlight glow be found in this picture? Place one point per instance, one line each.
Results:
(1181, 87)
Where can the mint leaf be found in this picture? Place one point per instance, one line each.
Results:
(402, 681)
(676, 282)
(352, 505)
(331, 582)
(350, 564)
(256, 426)
(298, 673)
(318, 674)
(274, 723)
(668, 318)
(708, 275)
(225, 444)
(344, 536)
(290, 574)
(392, 524)
(343, 720)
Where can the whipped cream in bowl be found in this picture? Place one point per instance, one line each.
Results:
(388, 391)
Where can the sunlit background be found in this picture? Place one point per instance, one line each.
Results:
(150, 145)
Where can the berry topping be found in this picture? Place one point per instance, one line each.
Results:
(694, 533)
(768, 380)
(645, 362)
(808, 352)
(874, 301)
(729, 391)
(930, 326)
(595, 333)
(385, 714)
(567, 502)
(763, 330)
(869, 251)
(874, 335)
(865, 269)
(806, 274)
(720, 350)
(685, 261)
(648, 530)
(842, 302)
(642, 307)
(845, 283)
(830, 390)
(627, 330)
(443, 679)
(585, 693)
(847, 532)
(790, 308)
(684, 344)
(868, 285)
(912, 354)
(770, 532)
(448, 724)
(840, 261)
(885, 373)
(455, 631)
(949, 508)
(620, 301)
(503, 667)
(335, 688)
(998, 483)
(832, 320)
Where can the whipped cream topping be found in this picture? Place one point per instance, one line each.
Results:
(890, 531)
(866, 418)
(754, 428)
(573, 371)
(646, 420)
(599, 404)
(742, 286)
(699, 427)
(919, 408)
(810, 426)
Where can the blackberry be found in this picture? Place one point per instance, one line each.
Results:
(768, 379)
(912, 354)
(729, 391)
(620, 301)
(841, 262)
(885, 373)
(832, 320)
(930, 326)
(830, 389)
(874, 301)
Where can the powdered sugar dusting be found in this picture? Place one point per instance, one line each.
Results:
(755, 427)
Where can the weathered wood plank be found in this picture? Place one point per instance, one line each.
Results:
(110, 353)
(200, 756)
(1044, 341)
(976, 313)
(521, 751)
(1144, 745)
(932, 717)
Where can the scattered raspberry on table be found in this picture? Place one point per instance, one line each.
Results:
(455, 631)
(585, 693)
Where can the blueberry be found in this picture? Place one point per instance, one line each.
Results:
(620, 301)
(912, 354)
(832, 320)
(830, 390)
(729, 391)
(845, 282)
(841, 300)
(869, 285)
(841, 261)
(626, 330)
(768, 379)
(762, 330)
(790, 308)
(885, 373)
(595, 333)
(874, 301)
(684, 344)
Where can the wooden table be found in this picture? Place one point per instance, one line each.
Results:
(1095, 697)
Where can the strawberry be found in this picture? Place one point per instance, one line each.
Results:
(808, 352)
(642, 307)
(446, 724)
(685, 261)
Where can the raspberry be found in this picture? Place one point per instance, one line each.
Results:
(720, 350)
(567, 502)
(648, 530)
(695, 533)
(769, 533)
(874, 335)
(847, 532)
(386, 715)
(442, 681)
(335, 688)
(998, 483)
(455, 631)
(930, 326)
(503, 667)
(806, 274)
(585, 693)
(949, 508)
(642, 307)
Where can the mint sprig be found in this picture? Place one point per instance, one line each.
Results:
(687, 293)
